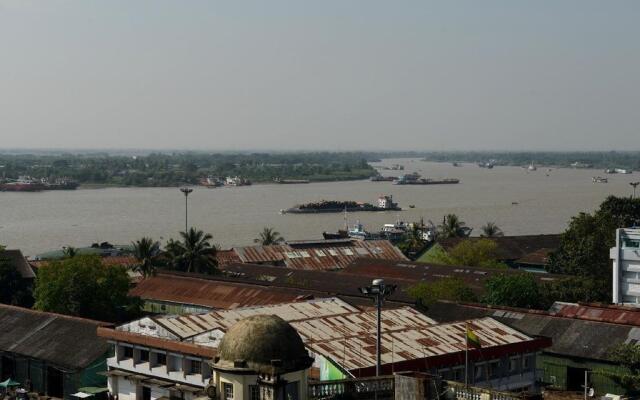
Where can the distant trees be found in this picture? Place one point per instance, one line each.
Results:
(584, 249)
(450, 288)
(269, 236)
(490, 229)
(69, 252)
(146, 251)
(82, 286)
(194, 253)
(452, 227)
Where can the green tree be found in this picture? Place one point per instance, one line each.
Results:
(269, 236)
(472, 253)
(584, 246)
(413, 243)
(82, 286)
(449, 288)
(627, 355)
(490, 229)
(452, 227)
(69, 252)
(513, 290)
(146, 251)
(194, 253)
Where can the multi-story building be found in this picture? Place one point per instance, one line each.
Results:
(626, 267)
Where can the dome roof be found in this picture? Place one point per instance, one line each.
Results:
(262, 343)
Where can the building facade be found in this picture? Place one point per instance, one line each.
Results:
(626, 267)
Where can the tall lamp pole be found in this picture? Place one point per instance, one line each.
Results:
(378, 291)
(634, 184)
(186, 192)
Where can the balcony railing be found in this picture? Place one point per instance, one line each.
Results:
(364, 388)
(458, 391)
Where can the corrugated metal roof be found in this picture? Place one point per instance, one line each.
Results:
(627, 315)
(407, 342)
(190, 325)
(209, 293)
(319, 255)
(19, 262)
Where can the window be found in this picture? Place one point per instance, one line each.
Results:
(630, 243)
(527, 364)
(227, 390)
(458, 374)
(254, 392)
(494, 369)
(128, 352)
(161, 359)
(480, 373)
(514, 364)
(195, 367)
(144, 355)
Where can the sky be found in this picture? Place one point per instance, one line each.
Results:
(320, 75)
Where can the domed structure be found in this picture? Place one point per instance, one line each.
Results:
(265, 344)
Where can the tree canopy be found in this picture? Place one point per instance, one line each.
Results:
(450, 288)
(82, 286)
(194, 253)
(269, 236)
(514, 290)
(584, 246)
(472, 253)
(452, 226)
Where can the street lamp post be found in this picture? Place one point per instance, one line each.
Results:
(186, 192)
(378, 291)
(634, 184)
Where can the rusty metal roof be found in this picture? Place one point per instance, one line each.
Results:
(191, 325)
(210, 293)
(626, 315)
(319, 255)
(404, 343)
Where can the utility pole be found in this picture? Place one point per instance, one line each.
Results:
(378, 291)
(186, 192)
(634, 184)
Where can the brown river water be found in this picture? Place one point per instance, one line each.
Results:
(546, 200)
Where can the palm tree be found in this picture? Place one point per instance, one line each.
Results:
(452, 227)
(197, 252)
(269, 236)
(491, 230)
(145, 251)
(69, 252)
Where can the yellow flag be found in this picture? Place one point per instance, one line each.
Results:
(472, 338)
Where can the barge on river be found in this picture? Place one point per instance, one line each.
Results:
(385, 203)
(415, 179)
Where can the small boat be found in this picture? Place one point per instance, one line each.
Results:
(412, 206)
(514, 203)
(599, 179)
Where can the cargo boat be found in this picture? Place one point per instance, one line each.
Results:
(380, 178)
(60, 184)
(290, 181)
(415, 179)
(385, 203)
(22, 184)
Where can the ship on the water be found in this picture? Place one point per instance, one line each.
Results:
(415, 179)
(290, 181)
(380, 178)
(385, 203)
(29, 184)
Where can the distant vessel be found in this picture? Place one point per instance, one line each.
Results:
(380, 178)
(385, 203)
(236, 181)
(22, 184)
(622, 171)
(532, 167)
(415, 179)
(599, 179)
(211, 182)
(488, 165)
(290, 181)
(579, 164)
(59, 184)
(455, 164)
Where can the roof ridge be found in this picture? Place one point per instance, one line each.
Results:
(58, 315)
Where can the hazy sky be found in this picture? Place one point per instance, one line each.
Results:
(344, 74)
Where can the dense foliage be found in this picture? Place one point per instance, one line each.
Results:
(82, 286)
(628, 356)
(450, 288)
(584, 249)
(514, 290)
(174, 169)
(472, 253)
(194, 253)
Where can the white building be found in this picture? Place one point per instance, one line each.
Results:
(626, 267)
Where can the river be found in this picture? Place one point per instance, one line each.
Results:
(546, 200)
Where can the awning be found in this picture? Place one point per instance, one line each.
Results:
(115, 372)
(9, 383)
(82, 395)
(187, 388)
(93, 389)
